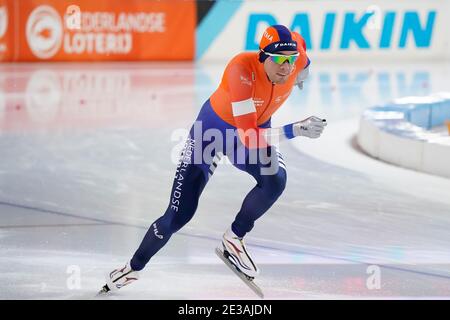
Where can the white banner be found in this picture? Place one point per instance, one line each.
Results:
(342, 30)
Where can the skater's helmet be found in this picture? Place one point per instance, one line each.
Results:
(277, 38)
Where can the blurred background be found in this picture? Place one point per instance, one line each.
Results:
(95, 101)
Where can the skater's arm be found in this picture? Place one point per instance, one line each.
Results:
(254, 137)
(244, 112)
(311, 127)
(245, 116)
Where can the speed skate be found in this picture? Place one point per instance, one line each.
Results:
(223, 255)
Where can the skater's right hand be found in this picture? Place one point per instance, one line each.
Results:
(311, 127)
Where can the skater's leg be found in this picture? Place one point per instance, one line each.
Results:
(193, 172)
(183, 204)
(188, 185)
(270, 174)
(270, 185)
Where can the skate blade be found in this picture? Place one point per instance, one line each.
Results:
(103, 291)
(252, 285)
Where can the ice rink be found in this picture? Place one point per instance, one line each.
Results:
(88, 155)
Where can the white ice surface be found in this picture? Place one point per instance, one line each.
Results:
(86, 167)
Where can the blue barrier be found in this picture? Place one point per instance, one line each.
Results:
(398, 133)
(424, 112)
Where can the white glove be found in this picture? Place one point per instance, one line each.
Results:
(311, 127)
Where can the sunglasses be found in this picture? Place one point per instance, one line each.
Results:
(281, 58)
